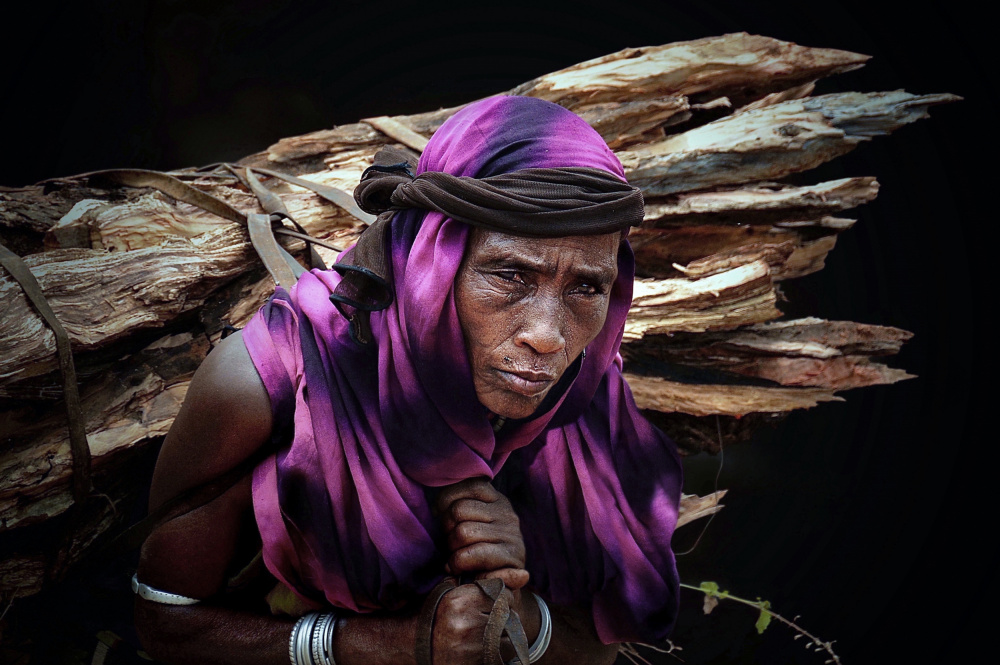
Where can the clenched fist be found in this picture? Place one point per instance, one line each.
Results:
(483, 531)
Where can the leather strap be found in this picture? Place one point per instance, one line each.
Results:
(335, 196)
(503, 619)
(270, 252)
(425, 622)
(275, 207)
(80, 449)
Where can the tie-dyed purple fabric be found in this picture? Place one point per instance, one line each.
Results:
(344, 509)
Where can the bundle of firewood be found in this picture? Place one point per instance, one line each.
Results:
(710, 129)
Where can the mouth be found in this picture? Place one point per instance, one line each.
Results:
(527, 383)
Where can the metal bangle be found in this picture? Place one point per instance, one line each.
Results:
(303, 646)
(147, 592)
(293, 642)
(319, 639)
(328, 641)
(544, 631)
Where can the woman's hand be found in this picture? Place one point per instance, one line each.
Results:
(483, 531)
(460, 625)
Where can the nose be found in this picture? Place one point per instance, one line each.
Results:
(542, 327)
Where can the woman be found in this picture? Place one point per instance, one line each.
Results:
(448, 401)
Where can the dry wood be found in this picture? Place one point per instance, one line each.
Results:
(712, 67)
(101, 297)
(694, 507)
(804, 352)
(760, 203)
(658, 394)
(727, 300)
(700, 434)
(791, 249)
(135, 404)
(737, 66)
(771, 142)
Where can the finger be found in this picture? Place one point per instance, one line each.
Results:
(513, 578)
(465, 534)
(485, 557)
(467, 510)
(472, 488)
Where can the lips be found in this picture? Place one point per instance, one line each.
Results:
(527, 383)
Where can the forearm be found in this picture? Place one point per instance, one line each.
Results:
(574, 640)
(205, 634)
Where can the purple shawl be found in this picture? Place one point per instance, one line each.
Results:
(369, 432)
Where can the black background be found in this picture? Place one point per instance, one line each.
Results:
(869, 518)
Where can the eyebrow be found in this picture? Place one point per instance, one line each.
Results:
(523, 264)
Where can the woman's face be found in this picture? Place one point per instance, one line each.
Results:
(528, 307)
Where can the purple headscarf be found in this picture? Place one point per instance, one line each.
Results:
(372, 430)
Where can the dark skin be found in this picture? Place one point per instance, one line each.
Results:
(529, 306)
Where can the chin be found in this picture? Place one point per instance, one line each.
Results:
(513, 407)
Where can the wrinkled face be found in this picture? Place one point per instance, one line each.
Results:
(528, 307)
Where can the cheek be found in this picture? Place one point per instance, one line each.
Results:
(486, 316)
(586, 323)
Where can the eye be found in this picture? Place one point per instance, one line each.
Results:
(510, 276)
(588, 289)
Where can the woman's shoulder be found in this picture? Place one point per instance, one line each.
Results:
(225, 418)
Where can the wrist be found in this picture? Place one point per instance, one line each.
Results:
(391, 636)
(537, 624)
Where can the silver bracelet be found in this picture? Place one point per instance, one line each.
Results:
(293, 641)
(147, 592)
(544, 631)
(305, 639)
(328, 641)
(322, 640)
(311, 641)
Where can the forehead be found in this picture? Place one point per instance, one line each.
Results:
(589, 253)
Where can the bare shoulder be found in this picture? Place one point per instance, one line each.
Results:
(225, 418)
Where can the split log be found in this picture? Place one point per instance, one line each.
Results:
(736, 66)
(771, 142)
(769, 203)
(701, 434)
(724, 301)
(655, 393)
(100, 297)
(804, 352)
(133, 405)
(791, 249)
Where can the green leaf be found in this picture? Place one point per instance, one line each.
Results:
(711, 588)
(764, 620)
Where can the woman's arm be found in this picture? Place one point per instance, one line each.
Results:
(226, 418)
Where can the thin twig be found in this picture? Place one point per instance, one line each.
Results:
(759, 605)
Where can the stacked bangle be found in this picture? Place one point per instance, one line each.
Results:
(311, 642)
(544, 632)
(538, 649)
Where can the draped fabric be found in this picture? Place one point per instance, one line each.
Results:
(344, 508)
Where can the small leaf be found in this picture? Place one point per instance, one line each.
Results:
(710, 588)
(764, 620)
(710, 603)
